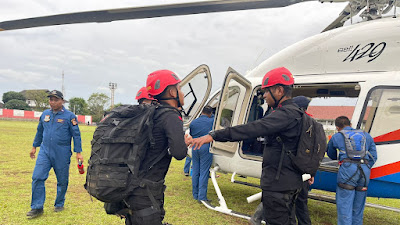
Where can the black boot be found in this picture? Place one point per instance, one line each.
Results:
(34, 213)
(257, 217)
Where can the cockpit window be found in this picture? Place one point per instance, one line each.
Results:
(381, 114)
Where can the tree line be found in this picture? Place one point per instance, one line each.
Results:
(95, 106)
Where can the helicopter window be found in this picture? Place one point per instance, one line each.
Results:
(229, 106)
(194, 92)
(213, 103)
(254, 146)
(328, 101)
(381, 114)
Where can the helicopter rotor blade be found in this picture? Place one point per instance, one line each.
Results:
(145, 12)
(348, 12)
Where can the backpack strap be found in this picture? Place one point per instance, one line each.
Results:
(163, 153)
(279, 140)
(278, 172)
(367, 152)
(345, 137)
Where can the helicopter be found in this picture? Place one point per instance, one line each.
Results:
(356, 62)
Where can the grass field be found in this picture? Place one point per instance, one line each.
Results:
(16, 169)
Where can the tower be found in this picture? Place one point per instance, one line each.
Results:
(62, 85)
(112, 87)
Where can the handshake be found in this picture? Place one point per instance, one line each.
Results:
(196, 143)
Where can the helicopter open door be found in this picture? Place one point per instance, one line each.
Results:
(197, 87)
(235, 97)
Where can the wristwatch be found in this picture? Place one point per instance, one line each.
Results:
(212, 134)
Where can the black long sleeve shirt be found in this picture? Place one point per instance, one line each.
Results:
(284, 122)
(168, 136)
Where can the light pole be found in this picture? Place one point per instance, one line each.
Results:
(112, 87)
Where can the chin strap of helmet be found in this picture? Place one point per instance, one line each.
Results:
(176, 99)
(273, 97)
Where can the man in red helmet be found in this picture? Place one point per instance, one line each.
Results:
(143, 96)
(170, 141)
(280, 181)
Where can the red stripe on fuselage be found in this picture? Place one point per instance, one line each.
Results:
(391, 136)
(385, 170)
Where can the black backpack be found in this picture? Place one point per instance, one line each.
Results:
(119, 145)
(311, 146)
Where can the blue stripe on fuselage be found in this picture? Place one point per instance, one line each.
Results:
(382, 187)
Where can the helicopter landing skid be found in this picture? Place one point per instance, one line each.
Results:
(223, 208)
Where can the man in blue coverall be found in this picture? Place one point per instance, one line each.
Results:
(56, 128)
(353, 174)
(201, 158)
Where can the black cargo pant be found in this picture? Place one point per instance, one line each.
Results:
(278, 207)
(302, 214)
(146, 209)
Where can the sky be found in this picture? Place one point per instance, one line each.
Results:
(124, 52)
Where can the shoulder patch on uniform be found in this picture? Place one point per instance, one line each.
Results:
(46, 118)
(73, 121)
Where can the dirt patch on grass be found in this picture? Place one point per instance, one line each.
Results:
(14, 173)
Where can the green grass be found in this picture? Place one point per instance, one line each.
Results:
(16, 169)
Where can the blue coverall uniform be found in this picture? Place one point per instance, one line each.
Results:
(186, 168)
(350, 203)
(53, 135)
(201, 158)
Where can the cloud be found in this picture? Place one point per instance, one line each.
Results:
(125, 52)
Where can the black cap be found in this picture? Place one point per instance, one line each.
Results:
(56, 94)
(207, 110)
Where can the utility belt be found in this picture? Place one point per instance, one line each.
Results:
(350, 187)
(358, 161)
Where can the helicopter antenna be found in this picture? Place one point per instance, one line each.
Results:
(351, 13)
(258, 57)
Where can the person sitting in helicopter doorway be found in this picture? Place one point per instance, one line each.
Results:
(143, 96)
(357, 154)
(280, 181)
(301, 208)
(201, 158)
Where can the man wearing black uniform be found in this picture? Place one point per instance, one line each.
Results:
(280, 181)
(170, 141)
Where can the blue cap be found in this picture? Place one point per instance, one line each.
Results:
(302, 101)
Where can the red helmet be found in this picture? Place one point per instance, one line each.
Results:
(142, 93)
(158, 80)
(276, 76)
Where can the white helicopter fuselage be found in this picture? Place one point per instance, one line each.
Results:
(349, 62)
